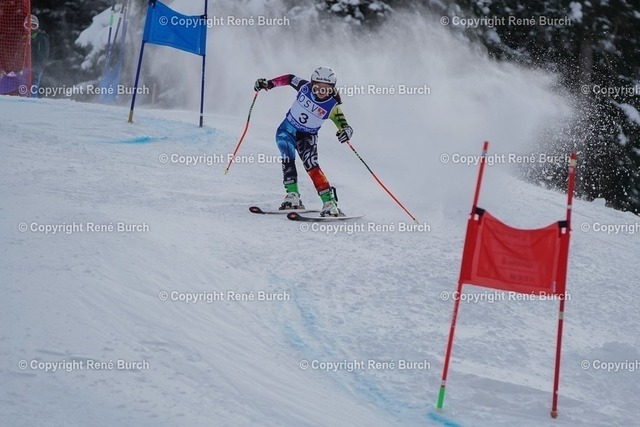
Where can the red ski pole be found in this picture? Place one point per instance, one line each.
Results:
(381, 184)
(246, 127)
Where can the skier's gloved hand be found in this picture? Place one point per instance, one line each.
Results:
(345, 134)
(262, 84)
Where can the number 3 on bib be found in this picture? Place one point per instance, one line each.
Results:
(307, 113)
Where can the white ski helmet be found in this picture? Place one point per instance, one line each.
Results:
(31, 23)
(324, 75)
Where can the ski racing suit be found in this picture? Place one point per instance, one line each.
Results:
(299, 132)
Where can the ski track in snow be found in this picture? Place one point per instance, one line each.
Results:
(361, 296)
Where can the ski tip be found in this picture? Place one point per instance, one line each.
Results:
(256, 210)
(293, 216)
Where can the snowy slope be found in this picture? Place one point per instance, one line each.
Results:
(358, 296)
(352, 295)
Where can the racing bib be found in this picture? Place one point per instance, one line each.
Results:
(307, 114)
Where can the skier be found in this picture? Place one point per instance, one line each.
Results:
(39, 54)
(316, 101)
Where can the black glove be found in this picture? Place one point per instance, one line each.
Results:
(345, 134)
(262, 84)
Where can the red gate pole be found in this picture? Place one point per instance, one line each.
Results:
(485, 148)
(445, 370)
(556, 377)
(456, 305)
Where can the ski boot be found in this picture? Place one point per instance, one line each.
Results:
(291, 201)
(330, 206)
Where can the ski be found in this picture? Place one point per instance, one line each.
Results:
(257, 210)
(295, 216)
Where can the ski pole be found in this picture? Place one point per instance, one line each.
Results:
(113, 11)
(246, 127)
(381, 184)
